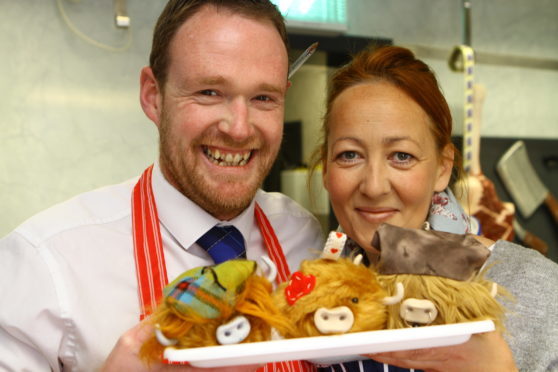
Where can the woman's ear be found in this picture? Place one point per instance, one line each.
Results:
(445, 168)
(150, 95)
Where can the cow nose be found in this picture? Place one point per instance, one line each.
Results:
(336, 320)
(233, 332)
(417, 312)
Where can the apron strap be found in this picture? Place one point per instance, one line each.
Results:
(151, 270)
(273, 246)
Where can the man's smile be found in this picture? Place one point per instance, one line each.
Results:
(226, 158)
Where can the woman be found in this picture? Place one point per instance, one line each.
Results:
(387, 156)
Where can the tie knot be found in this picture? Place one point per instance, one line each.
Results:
(223, 243)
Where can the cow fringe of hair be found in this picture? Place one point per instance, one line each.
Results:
(456, 301)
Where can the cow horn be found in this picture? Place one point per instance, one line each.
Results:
(494, 290)
(163, 340)
(399, 293)
(272, 274)
(358, 259)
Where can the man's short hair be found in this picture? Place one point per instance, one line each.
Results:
(177, 12)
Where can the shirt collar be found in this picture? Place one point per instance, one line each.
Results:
(184, 219)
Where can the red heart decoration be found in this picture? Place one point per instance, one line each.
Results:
(339, 235)
(334, 250)
(299, 285)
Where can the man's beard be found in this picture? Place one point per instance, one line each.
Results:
(179, 167)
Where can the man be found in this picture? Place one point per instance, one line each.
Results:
(70, 276)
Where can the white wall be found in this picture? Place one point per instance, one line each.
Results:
(71, 119)
(520, 102)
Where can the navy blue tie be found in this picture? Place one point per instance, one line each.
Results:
(223, 243)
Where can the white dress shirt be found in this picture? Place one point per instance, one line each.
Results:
(67, 276)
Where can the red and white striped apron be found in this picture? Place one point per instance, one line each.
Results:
(150, 260)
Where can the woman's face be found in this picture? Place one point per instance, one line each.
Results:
(382, 163)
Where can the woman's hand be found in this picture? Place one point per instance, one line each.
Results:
(125, 355)
(483, 352)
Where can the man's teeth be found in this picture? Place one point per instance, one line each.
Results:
(228, 160)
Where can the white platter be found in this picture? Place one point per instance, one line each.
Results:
(328, 349)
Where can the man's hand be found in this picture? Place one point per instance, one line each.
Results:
(483, 352)
(125, 355)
